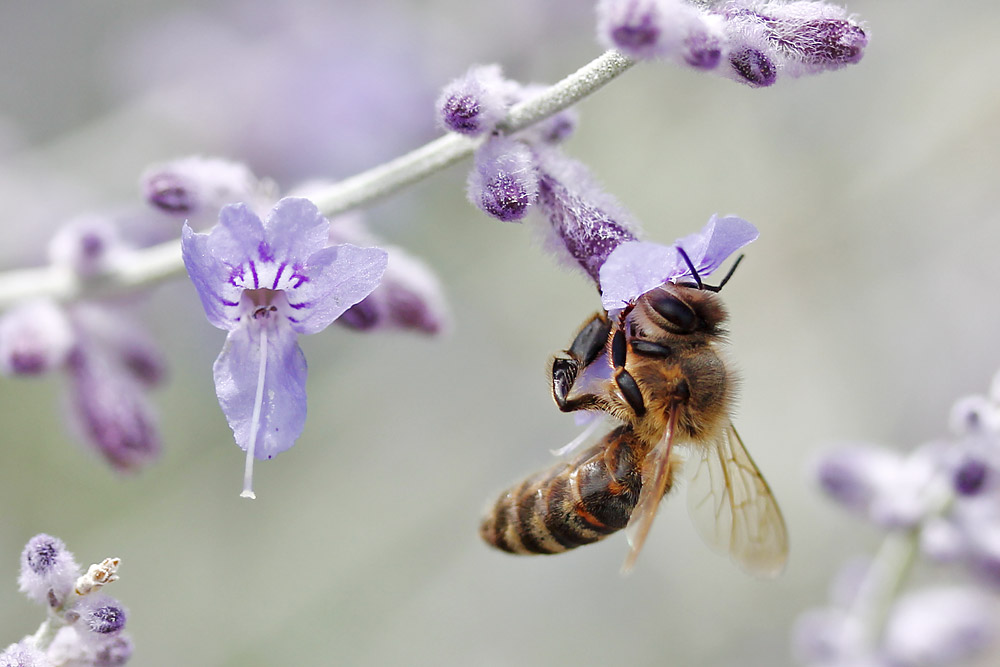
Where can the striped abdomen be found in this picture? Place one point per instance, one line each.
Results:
(571, 503)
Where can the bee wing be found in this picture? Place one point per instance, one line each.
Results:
(732, 507)
(655, 478)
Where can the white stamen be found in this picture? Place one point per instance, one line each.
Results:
(255, 419)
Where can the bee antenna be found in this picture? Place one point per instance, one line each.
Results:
(694, 271)
(697, 278)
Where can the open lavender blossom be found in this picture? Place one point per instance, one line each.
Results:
(635, 267)
(266, 282)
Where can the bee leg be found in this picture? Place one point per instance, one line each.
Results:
(626, 383)
(590, 342)
(586, 349)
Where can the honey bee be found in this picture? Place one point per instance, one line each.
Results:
(657, 368)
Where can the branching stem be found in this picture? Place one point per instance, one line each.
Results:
(152, 265)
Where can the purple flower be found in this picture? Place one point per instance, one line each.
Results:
(266, 283)
(47, 565)
(474, 103)
(503, 182)
(87, 245)
(35, 337)
(585, 224)
(636, 267)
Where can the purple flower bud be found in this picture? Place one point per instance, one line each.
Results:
(974, 414)
(409, 297)
(35, 337)
(585, 224)
(939, 626)
(970, 477)
(114, 651)
(101, 614)
(46, 565)
(111, 409)
(631, 26)
(23, 654)
(854, 475)
(474, 103)
(86, 245)
(503, 182)
(197, 186)
(754, 67)
(137, 352)
(673, 29)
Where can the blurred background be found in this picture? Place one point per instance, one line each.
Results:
(867, 306)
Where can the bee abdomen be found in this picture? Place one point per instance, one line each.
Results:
(570, 504)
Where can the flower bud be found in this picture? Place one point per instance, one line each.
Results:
(673, 29)
(195, 186)
(86, 245)
(111, 409)
(101, 615)
(474, 103)
(46, 565)
(585, 224)
(939, 626)
(503, 182)
(35, 337)
(754, 67)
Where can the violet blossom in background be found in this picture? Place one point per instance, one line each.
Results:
(35, 338)
(82, 627)
(266, 282)
(940, 501)
(636, 267)
(194, 188)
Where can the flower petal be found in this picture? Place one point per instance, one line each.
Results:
(219, 297)
(283, 413)
(338, 277)
(294, 230)
(635, 267)
(237, 237)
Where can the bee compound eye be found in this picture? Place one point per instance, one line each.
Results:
(673, 310)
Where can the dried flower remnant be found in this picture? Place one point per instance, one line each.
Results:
(266, 282)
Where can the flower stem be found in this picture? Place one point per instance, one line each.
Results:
(885, 578)
(255, 419)
(156, 264)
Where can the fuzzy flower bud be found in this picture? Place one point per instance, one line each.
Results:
(939, 626)
(46, 565)
(111, 409)
(101, 615)
(585, 224)
(196, 185)
(131, 345)
(35, 337)
(503, 182)
(672, 29)
(86, 245)
(474, 103)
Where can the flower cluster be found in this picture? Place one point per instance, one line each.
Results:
(941, 501)
(109, 361)
(83, 627)
(745, 40)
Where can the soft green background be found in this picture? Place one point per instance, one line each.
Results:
(867, 306)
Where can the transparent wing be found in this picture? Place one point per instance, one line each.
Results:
(733, 509)
(656, 474)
